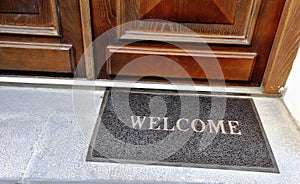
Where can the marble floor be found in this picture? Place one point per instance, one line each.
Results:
(45, 135)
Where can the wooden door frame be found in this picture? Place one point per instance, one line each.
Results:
(282, 56)
(86, 23)
(284, 49)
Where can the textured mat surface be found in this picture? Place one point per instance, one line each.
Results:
(180, 129)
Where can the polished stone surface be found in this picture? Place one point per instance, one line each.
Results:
(239, 143)
(47, 134)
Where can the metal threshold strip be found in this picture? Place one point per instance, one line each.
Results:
(103, 83)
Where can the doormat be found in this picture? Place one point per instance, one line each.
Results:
(180, 129)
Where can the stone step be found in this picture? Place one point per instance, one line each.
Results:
(45, 136)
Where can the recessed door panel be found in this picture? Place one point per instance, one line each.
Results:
(194, 11)
(19, 6)
(29, 17)
(170, 63)
(214, 21)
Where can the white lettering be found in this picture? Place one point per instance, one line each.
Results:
(166, 125)
(137, 121)
(178, 125)
(153, 122)
(216, 128)
(233, 126)
(194, 124)
(184, 125)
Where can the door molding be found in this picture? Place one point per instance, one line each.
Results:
(86, 25)
(284, 49)
(238, 32)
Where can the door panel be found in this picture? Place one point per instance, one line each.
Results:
(195, 11)
(214, 21)
(234, 65)
(36, 57)
(34, 17)
(40, 35)
(19, 6)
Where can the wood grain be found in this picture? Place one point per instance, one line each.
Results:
(199, 11)
(18, 48)
(45, 22)
(176, 63)
(71, 28)
(210, 30)
(19, 6)
(264, 36)
(104, 18)
(87, 39)
(264, 30)
(284, 49)
(36, 57)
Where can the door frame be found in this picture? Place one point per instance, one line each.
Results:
(281, 58)
(284, 49)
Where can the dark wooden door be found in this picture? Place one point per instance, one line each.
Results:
(239, 34)
(40, 36)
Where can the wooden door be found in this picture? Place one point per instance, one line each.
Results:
(40, 36)
(238, 32)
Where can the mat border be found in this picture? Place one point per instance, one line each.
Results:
(90, 158)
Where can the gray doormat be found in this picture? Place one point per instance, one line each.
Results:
(180, 129)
